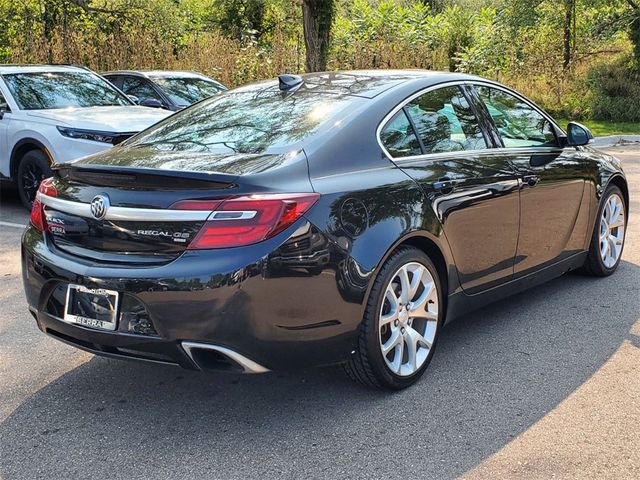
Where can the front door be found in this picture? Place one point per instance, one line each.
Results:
(552, 181)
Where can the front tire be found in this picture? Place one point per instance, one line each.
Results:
(607, 241)
(33, 168)
(401, 324)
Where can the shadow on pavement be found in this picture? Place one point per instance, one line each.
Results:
(495, 373)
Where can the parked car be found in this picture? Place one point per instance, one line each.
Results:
(55, 114)
(323, 219)
(165, 89)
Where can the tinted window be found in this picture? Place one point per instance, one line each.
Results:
(3, 102)
(185, 91)
(44, 90)
(399, 138)
(445, 121)
(519, 124)
(139, 87)
(246, 122)
(116, 80)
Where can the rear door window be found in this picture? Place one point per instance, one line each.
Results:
(519, 124)
(445, 122)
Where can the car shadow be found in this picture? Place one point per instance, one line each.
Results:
(496, 372)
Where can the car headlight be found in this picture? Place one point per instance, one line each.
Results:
(77, 133)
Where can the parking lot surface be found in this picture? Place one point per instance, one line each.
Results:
(544, 384)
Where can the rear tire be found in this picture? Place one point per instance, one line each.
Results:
(33, 168)
(607, 240)
(401, 321)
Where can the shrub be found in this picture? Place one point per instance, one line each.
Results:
(615, 90)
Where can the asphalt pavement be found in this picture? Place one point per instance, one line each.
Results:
(545, 384)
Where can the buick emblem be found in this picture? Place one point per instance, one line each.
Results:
(99, 206)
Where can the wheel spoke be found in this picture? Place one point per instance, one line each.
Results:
(426, 305)
(418, 339)
(412, 349)
(394, 340)
(388, 318)
(416, 281)
(429, 314)
(617, 209)
(611, 208)
(400, 354)
(405, 285)
(390, 296)
(619, 222)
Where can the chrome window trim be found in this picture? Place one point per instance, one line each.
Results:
(436, 156)
(125, 213)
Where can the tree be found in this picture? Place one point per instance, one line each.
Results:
(569, 25)
(634, 29)
(317, 17)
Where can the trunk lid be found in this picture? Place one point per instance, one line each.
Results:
(139, 189)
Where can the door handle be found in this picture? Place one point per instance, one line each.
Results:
(443, 185)
(531, 180)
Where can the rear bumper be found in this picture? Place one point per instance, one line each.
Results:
(276, 315)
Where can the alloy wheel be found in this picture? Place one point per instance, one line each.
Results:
(32, 175)
(408, 319)
(612, 230)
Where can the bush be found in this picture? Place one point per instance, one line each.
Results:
(615, 89)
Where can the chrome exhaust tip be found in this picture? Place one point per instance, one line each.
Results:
(216, 358)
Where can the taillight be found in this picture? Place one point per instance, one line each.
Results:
(250, 219)
(37, 209)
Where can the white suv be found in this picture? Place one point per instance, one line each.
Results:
(51, 113)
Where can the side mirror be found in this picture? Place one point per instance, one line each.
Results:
(578, 135)
(151, 102)
(4, 108)
(134, 99)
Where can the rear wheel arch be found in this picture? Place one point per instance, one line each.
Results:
(433, 251)
(432, 247)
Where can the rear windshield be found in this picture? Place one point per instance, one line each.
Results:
(184, 91)
(50, 90)
(246, 122)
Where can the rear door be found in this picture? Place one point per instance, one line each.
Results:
(437, 139)
(552, 225)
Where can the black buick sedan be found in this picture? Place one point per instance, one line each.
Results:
(324, 219)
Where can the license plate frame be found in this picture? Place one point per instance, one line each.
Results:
(95, 308)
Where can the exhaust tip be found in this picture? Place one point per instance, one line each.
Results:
(209, 357)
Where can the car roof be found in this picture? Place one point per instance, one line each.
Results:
(157, 73)
(8, 69)
(361, 83)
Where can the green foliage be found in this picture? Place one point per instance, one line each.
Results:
(616, 90)
(519, 42)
